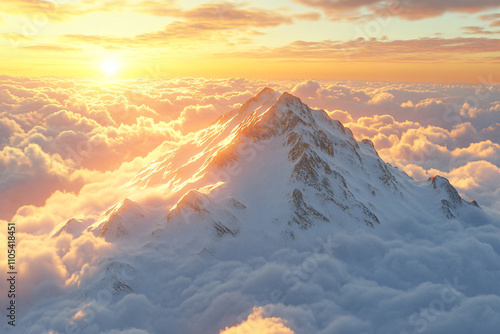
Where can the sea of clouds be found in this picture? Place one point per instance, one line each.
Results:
(68, 145)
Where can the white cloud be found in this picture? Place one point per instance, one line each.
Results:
(306, 89)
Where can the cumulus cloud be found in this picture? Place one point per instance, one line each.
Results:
(382, 98)
(342, 116)
(352, 281)
(258, 323)
(306, 89)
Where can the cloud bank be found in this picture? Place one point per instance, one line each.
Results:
(69, 145)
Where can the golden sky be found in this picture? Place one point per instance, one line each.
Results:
(400, 40)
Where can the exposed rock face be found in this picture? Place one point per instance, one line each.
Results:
(474, 203)
(116, 280)
(198, 209)
(442, 184)
(304, 215)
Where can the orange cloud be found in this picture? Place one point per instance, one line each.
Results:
(258, 323)
(474, 30)
(44, 270)
(57, 11)
(381, 98)
(372, 50)
(342, 116)
(410, 10)
(206, 20)
(51, 48)
(197, 117)
(490, 17)
(309, 16)
(228, 16)
(14, 36)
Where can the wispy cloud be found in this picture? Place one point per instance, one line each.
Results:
(415, 50)
(51, 48)
(59, 11)
(207, 23)
(474, 30)
(407, 9)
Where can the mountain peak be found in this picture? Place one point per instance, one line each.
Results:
(439, 182)
(291, 101)
(287, 97)
(118, 220)
(73, 226)
(266, 93)
(265, 99)
(451, 200)
(474, 203)
(286, 114)
(369, 146)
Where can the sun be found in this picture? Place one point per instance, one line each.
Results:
(110, 66)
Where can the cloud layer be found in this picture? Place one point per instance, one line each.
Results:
(69, 145)
(400, 277)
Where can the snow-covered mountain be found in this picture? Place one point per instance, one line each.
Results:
(119, 221)
(274, 175)
(287, 165)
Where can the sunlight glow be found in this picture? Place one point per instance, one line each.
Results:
(110, 66)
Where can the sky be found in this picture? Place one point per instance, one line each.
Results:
(400, 40)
